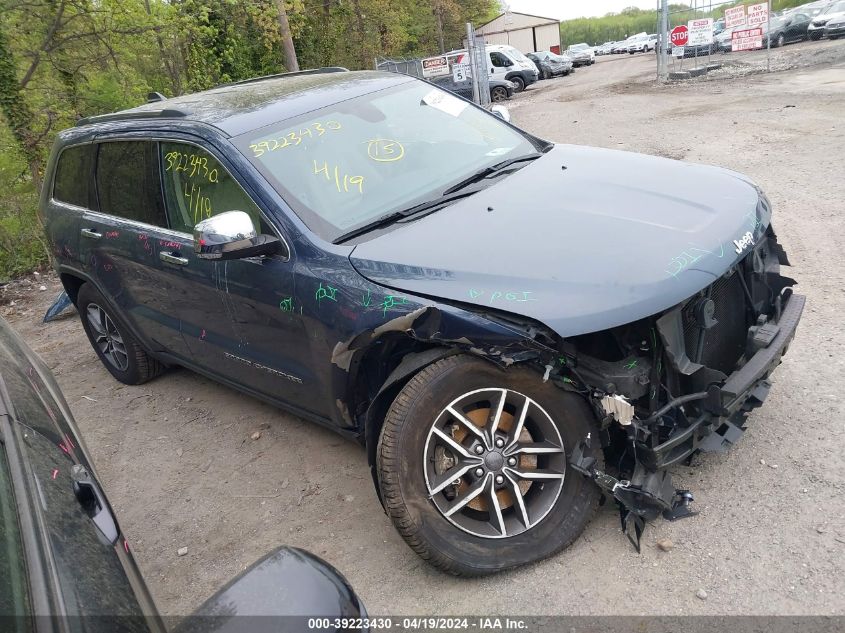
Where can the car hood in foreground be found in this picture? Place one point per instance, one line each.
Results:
(582, 239)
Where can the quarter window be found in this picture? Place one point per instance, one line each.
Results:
(196, 187)
(128, 183)
(73, 175)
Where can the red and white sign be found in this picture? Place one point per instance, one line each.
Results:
(758, 14)
(735, 17)
(679, 35)
(748, 40)
(700, 32)
(435, 66)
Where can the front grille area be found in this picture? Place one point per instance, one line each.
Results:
(724, 343)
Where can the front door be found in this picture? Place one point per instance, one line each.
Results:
(238, 317)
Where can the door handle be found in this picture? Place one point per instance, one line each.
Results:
(93, 502)
(91, 234)
(170, 258)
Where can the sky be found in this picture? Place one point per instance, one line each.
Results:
(568, 9)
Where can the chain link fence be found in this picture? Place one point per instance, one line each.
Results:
(694, 40)
(463, 71)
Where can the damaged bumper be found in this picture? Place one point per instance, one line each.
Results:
(687, 382)
(720, 423)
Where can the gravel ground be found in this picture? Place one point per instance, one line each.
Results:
(180, 465)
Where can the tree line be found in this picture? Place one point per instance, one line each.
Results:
(61, 60)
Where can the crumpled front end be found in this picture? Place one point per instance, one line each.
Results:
(684, 380)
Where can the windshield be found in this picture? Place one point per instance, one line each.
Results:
(345, 165)
(835, 8)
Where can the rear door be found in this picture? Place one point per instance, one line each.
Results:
(122, 244)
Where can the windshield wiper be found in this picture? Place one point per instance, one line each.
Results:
(420, 209)
(489, 171)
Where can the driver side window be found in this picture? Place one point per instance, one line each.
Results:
(499, 61)
(197, 187)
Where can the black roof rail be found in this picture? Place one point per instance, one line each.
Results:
(168, 113)
(310, 71)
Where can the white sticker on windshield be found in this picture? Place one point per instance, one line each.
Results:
(498, 151)
(445, 102)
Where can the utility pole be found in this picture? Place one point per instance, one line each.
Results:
(663, 42)
(291, 63)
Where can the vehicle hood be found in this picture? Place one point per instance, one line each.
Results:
(582, 239)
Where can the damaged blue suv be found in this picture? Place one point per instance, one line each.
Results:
(358, 248)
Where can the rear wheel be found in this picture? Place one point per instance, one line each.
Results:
(518, 83)
(473, 470)
(780, 41)
(498, 94)
(117, 349)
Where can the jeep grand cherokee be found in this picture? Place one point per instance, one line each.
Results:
(359, 248)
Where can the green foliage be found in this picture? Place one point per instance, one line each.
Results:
(65, 59)
(21, 236)
(630, 21)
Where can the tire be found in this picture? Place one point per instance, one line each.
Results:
(518, 83)
(407, 456)
(546, 74)
(118, 350)
(780, 41)
(498, 94)
(815, 37)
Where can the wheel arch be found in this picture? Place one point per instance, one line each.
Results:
(72, 282)
(378, 366)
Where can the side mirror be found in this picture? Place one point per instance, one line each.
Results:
(288, 583)
(502, 112)
(231, 235)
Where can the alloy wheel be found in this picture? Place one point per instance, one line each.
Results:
(107, 338)
(494, 463)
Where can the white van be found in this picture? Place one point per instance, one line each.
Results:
(504, 63)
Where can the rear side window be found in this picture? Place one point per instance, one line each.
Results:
(73, 175)
(128, 184)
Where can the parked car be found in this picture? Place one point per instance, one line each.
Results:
(786, 29)
(581, 55)
(550, 65)
(505, 64)
(606, 48)
(321, 240)
(64, 554)
(816, 28)
(642, 44)
(835, 28)
(723, 42)
(500, 90)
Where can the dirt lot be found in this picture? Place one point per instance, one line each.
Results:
(179, 464)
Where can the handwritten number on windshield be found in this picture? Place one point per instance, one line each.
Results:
(293, 137)
(343, 182)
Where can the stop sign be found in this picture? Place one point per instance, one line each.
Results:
(679, 35)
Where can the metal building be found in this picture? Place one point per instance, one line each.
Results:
(524, 32)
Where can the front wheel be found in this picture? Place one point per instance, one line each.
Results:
(780, 41)
(473, 470)
(498, 94)
(518, 83)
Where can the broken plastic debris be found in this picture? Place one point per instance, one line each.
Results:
(619, 408)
